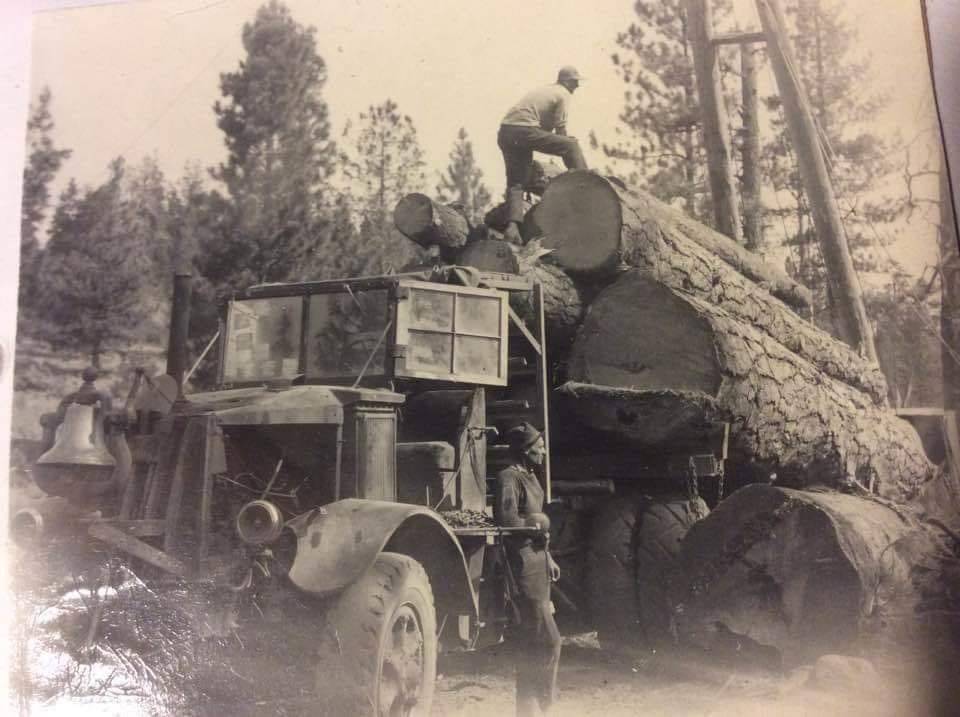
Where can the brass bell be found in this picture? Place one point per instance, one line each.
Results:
(78, 467)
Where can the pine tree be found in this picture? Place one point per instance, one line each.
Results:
(43, 162)
(660, 143)
(276, 127)
(91, 292)
(382, 163)
(462, 182)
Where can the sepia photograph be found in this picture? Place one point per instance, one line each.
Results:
(482, 358)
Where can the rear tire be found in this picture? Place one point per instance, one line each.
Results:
(661, 525)
(383, 631)
(610, 574)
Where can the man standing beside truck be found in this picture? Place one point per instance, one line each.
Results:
(518, 502)
(537, 122)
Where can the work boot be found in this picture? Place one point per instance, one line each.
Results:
(512, 234)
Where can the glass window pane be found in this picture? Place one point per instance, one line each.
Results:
(431, 310)
(478, 315)
(477, 356)
(344, 330)
(263, 339)
(429, 352)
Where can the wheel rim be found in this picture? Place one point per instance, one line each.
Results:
(402, 668)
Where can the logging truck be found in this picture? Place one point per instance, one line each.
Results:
(335, 485)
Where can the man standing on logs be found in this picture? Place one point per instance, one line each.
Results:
(538, 122)
(518, 502)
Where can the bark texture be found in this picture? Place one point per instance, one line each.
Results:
(653, 346)
(689, 257)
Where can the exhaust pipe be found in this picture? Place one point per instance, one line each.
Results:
(179, 328)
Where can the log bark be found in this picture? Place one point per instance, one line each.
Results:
(645, 339)
(428, 223)
(564, 303)
(637, 230)
(594, 226)
(797, 571)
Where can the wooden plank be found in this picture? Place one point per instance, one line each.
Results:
(139, 528)
(920, 411)
(137, 548)
(738, 38)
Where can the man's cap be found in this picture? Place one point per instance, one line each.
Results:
(569, 73)
(522, 437)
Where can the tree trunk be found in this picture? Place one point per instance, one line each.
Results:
(713, 118)
(664, 355)
(636, 229)
(428, 223)
(750, 152)
(799, 572)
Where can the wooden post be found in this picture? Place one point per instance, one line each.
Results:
(854, 326)
(716, 133)
(950, 295)
(750, 152)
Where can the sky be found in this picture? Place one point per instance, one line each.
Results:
(140, 78)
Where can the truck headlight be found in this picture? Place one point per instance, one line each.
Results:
(259, 522)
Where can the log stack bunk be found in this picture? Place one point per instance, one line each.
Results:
(658, 326)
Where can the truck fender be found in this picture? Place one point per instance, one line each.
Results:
(337, 543)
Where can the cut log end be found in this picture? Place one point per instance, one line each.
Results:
(580, 218)
(642, 335)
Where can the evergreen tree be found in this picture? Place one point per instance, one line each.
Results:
(462, 182)
(43, 162)
(659, 146)
(382, 163)
(276, 127)
(91, 280)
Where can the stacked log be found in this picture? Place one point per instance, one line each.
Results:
(661, 324)
(801, 572)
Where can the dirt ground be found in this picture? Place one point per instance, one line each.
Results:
(594, 682)
(901, 680)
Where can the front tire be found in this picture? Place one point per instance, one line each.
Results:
(384, 628)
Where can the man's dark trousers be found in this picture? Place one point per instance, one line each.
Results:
(519, 143)
(538, 642)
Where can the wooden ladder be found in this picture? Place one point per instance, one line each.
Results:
(535, 408)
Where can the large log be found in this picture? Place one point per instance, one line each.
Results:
(594, 225)
(798, 571)
(645, 339)
(428, 223)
